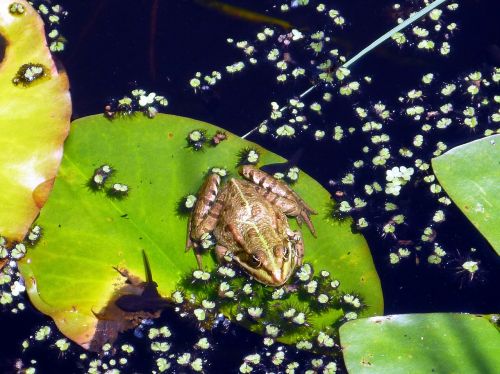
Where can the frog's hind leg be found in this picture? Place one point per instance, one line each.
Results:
(289, 207)
(268, 182)
(205, 214)
(280, 194)
(206, 210)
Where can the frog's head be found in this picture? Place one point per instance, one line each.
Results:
(271, 266)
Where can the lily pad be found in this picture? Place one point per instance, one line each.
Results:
(470, 175)
(421, 343)
(70, 273)
(33, 127)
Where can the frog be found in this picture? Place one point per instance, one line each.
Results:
(248, 219)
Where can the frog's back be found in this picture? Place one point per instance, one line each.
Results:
(246, 192)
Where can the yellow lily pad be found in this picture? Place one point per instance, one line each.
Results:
(35, 110)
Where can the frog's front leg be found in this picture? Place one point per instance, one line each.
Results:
(205, 213)
(220, 252)
(280, 194)
(296, 238)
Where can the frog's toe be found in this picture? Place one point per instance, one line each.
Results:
(304, 217)
(306, 208)
(189, 244)
(199, 261)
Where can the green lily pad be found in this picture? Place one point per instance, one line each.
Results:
(69, 274)
(470, 175)
(421, 343)
(32, 127)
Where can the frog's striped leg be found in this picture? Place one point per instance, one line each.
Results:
(280, 194)
(289, 208)
(206, 209)
(272, 184)
(205, 213)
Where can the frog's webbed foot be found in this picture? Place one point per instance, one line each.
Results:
(280, 194)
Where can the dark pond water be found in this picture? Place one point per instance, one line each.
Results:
(109, 53)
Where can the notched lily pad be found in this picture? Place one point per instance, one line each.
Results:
(70, 274)
(33, 128)
(470, 175)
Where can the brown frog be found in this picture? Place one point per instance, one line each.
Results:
(248, 218)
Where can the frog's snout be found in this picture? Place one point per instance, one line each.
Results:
(278, 276)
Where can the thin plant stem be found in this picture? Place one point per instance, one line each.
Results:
(363, 52)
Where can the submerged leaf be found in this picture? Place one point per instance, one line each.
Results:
(470, 175)
(35, 110)
(88, 232)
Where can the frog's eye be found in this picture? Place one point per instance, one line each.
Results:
(280, 251)
(256, 263)
(258, 257)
